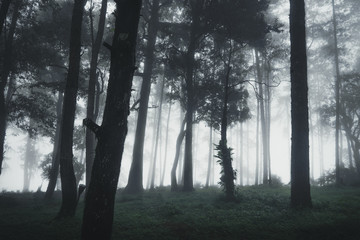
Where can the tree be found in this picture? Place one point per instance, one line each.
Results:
(5, 72)
(337, 97)
(100, 197)
(90, 110)
(135, 181)
(300, 185)
(3, 12)
(68, 180)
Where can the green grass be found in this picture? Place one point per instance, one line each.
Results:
(259, 213)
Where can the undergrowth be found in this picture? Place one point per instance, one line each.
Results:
(258, 213)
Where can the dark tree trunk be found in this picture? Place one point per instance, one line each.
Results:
(90, 138)
(209, 157)
(3, 12)
(300, 186)
(100, 197)
(68, 181)
(228, 174)
(135, 180)
(337, 99)
(179, 140)
(5, 72)
(188, 161)
(54, 172)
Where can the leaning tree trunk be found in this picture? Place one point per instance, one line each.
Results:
(90, 138)
(209, 157)
(68, 181)
(135, 180)
(5, 72)
(179, 140)
(54, 171)
(3, 12)
(100, 197)
(300, 185)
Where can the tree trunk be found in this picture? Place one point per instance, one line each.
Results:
(135, 180)
(90, 137)
(209, 157)
(179, 140)
(68, 181)
(337, 99)
(166, 145)
(54, 172)
(5, 71)
(262, 120)
(100, 197)
(3, 12)
(158, 136)
(300, 186)
(241, 172)
(228, 173)
(257, 170)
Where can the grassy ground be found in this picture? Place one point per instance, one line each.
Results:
(260, 213)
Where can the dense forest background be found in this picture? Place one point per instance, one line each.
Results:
(176, 97)
(39, 36)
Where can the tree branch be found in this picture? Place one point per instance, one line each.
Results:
(92, 126)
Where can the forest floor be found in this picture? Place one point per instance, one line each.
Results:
(260, 213)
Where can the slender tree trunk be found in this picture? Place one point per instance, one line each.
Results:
(68, 181)
(300, 186)
(5, 72)
(158, 136)
(257, 170)
(90, 137)
(262, 120)
(241, 172)
(100, 197)
(54, 172)
(3, 12)
(228, 173)
(209, 157)
(179, 140)
(135, 180)
(351, 165)
(337, 99)
(166, 145)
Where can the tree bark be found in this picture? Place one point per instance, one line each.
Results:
(300, 186)
(135, 180)
(90, 137)
(3, 12)
(100, 197)
(68, 181)
(5, 72)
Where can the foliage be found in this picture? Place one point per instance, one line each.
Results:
(224, 155)
(348, 176)
(263, 213)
